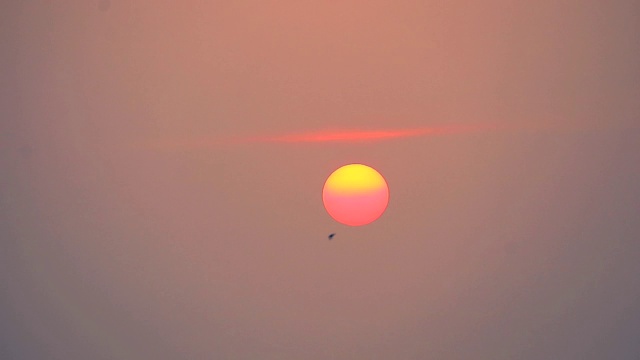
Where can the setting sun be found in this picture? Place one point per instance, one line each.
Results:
(355, 195)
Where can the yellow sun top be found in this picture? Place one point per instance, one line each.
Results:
(353, 179)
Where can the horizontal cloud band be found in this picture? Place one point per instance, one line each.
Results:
(360, 135)
(325, 136)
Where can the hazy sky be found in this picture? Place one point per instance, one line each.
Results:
(149, 211)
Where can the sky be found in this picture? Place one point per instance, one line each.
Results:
(162, 164)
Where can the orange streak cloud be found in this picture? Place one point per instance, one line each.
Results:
(366, 135)
(345, 136)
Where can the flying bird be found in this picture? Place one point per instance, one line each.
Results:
(331, 235)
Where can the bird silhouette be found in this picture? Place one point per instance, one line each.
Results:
(331, 235)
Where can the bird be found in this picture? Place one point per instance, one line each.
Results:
(331, 235)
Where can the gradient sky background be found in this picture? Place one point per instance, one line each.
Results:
(139, 220)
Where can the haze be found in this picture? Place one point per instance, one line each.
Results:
(510, 244)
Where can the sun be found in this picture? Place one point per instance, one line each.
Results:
(355, 195)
